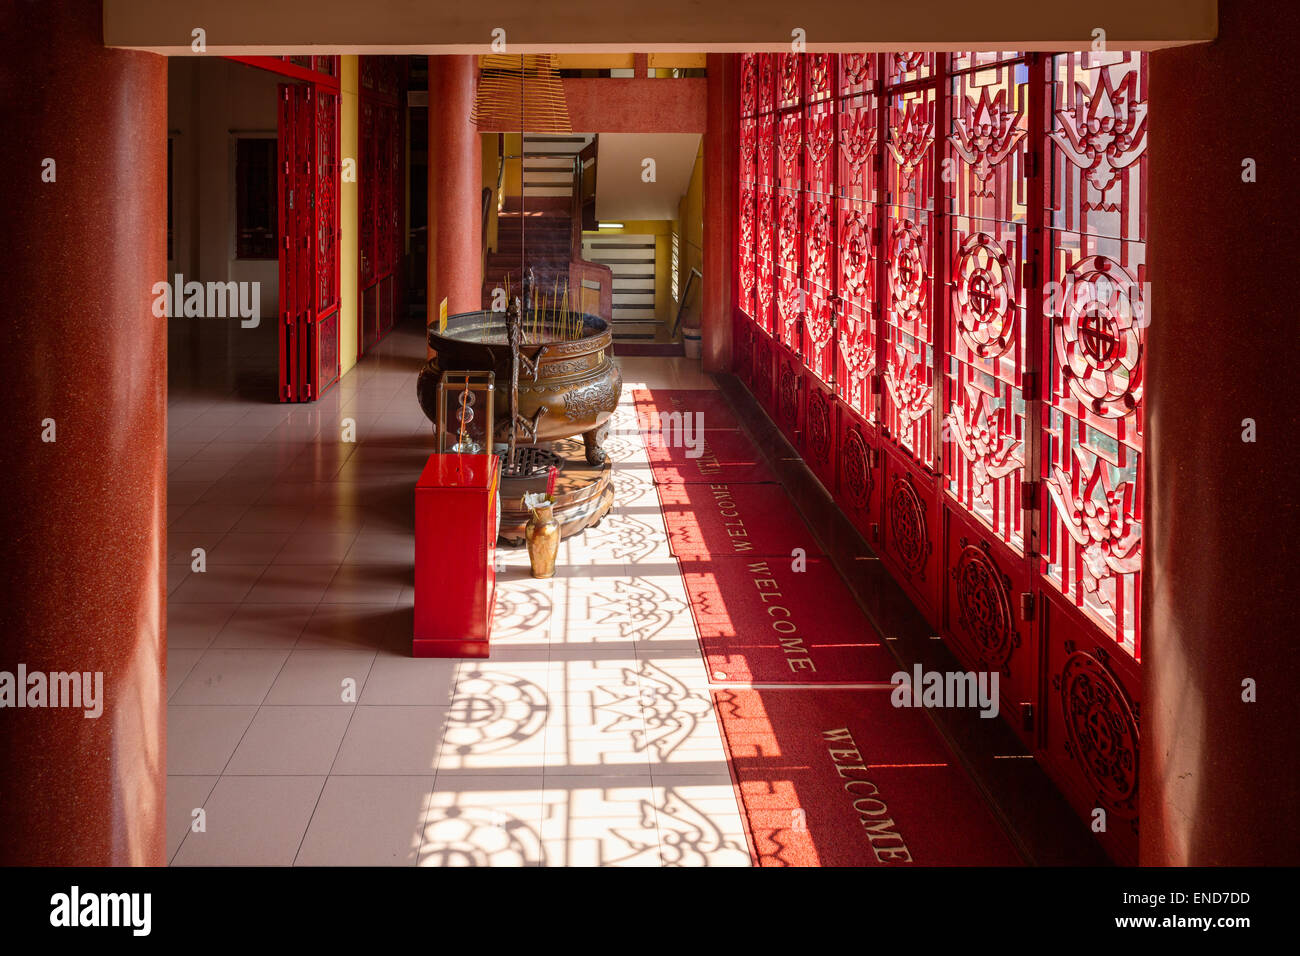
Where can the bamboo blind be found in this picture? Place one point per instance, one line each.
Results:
(521, 92)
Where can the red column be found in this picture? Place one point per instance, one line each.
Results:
(720, 192)
(1219, 776)
(455, 187)
(83, 515)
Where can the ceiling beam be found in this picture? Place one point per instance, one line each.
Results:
(250, 27)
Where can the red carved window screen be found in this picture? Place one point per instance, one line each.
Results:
(909, 103)
(1097, 309)
(985, 181)
(857, 122)
(954, 243)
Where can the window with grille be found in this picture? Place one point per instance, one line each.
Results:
(953, 244)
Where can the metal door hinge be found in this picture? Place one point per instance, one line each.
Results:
(1026, 606)
(1027, 715)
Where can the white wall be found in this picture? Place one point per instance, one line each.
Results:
(211, 103)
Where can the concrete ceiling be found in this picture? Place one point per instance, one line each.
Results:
(235, 27)
(622, 194)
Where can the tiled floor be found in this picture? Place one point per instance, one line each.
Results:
(300, 731)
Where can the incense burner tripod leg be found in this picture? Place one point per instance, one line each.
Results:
(593, 440)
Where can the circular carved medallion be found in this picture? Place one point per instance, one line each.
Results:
(984, 606)
(855, 250)
(907, 272)
(788, 395)
(983, 297)
(1101, 730)
(1099, 336)
(818, 226)
(819, 426)
(857, 468)
(907, 529)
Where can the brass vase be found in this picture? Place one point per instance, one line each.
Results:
(542, 533)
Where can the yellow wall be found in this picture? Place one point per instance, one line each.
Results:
(682, 61)
(662, 230)
(350, 244)
(489, 141)
(690, 218)
(593, 61)
(514, 172)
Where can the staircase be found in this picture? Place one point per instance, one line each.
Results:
(541, 223)
(547, 234)
(538, 231)
(548, 169)
(631, 259)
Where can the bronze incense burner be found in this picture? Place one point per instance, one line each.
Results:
(567, 381)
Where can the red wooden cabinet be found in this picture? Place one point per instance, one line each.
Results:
(455, 550)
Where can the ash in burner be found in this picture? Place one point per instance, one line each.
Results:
(557, 329)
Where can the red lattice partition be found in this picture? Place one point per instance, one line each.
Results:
(821, 258)
(1090, 725)
(328, 174)
(790, 239)
(859, 485)
(908, 336)
(988, 325)
(747, 169)
(911, 532)
(742, 348)
(857, 228)
(942, 303)
(381, 148)
(1096, 319)
(989, 617)
(820, 432)
(789, 394)
(761, 377)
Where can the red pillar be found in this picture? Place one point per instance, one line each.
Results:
(1219, 776)
(455, 187)
(720, 194)
(82, 587)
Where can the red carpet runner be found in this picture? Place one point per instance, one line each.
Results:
(761, 620)
(714, 456)
(836, 777)
(827, 775)
(743, 519)
(713, 410)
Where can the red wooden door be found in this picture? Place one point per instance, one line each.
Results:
(309, 231)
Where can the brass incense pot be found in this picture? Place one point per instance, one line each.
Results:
(567, 382)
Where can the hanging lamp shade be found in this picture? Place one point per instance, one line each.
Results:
(520, 92)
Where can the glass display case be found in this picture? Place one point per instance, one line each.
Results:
(465, 410)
